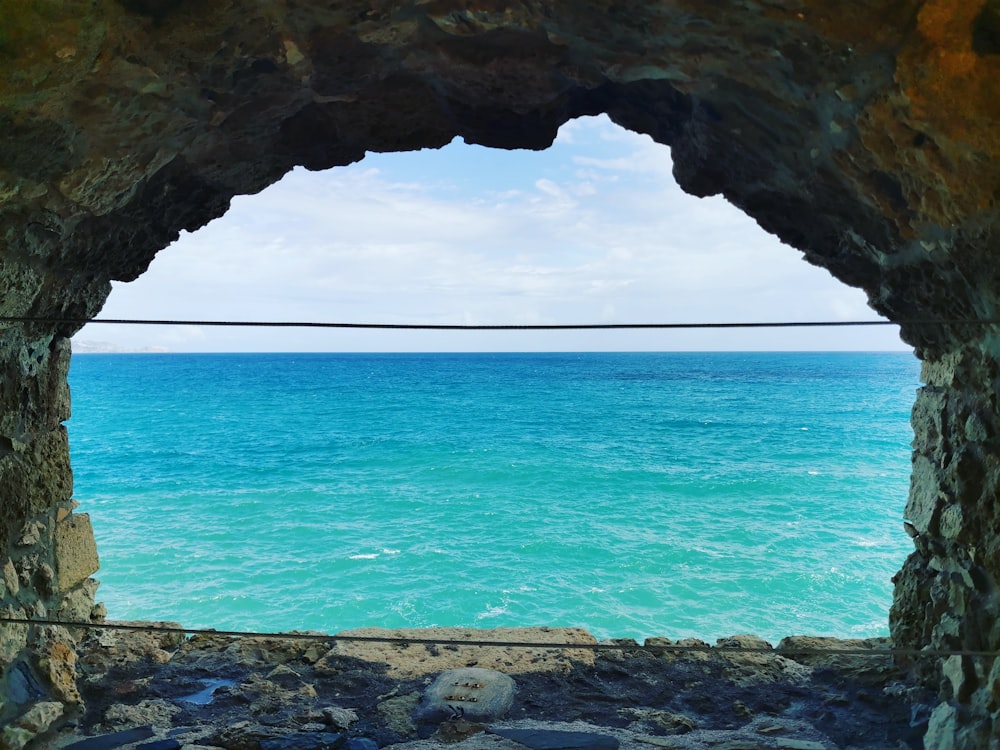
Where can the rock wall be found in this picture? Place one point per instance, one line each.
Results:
(862, 133)
(946, 593)
(47, 552)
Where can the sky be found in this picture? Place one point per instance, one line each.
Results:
(591, 230)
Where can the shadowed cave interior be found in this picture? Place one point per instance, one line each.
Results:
(860, 135)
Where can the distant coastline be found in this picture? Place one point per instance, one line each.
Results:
(106, 347)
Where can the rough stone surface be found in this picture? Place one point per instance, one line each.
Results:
(58, 667)
(34, 722)
(785, 744)
(420, 659)
(689, 701)
(75, 551)
(78, 604)
(112, 740)
(942, 593)
(752, 664)
(397, 713)
(457, 729)
(339, 718)
(304, 741)
(821, 652)
(553, 739)
(471, 693)
(167, 744)
(154, 712)
(862, 134)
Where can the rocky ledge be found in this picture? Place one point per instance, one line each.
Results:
(166, 691)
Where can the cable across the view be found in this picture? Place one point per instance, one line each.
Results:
(485, 643)
(478, 327)
(496, 327)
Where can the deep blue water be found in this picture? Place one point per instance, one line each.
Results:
(671, 494)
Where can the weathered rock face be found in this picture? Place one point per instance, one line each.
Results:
(946, 594)
(860, 132)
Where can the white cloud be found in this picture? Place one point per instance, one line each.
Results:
(634, 162)
(593, 230)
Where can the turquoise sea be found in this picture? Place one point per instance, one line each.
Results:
(674, 494)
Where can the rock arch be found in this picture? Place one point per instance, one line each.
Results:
(861, 133)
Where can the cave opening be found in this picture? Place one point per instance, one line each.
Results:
(473, 235)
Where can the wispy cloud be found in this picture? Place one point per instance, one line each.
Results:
(592, 230)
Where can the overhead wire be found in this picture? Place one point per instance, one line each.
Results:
(499, 326)
(614, 645)
(442, 326)
(477, 326)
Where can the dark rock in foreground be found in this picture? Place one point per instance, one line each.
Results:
(277, 693)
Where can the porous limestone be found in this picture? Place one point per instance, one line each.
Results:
(75, 551)
(409, 660)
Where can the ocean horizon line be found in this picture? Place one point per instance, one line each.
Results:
(492, 352)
